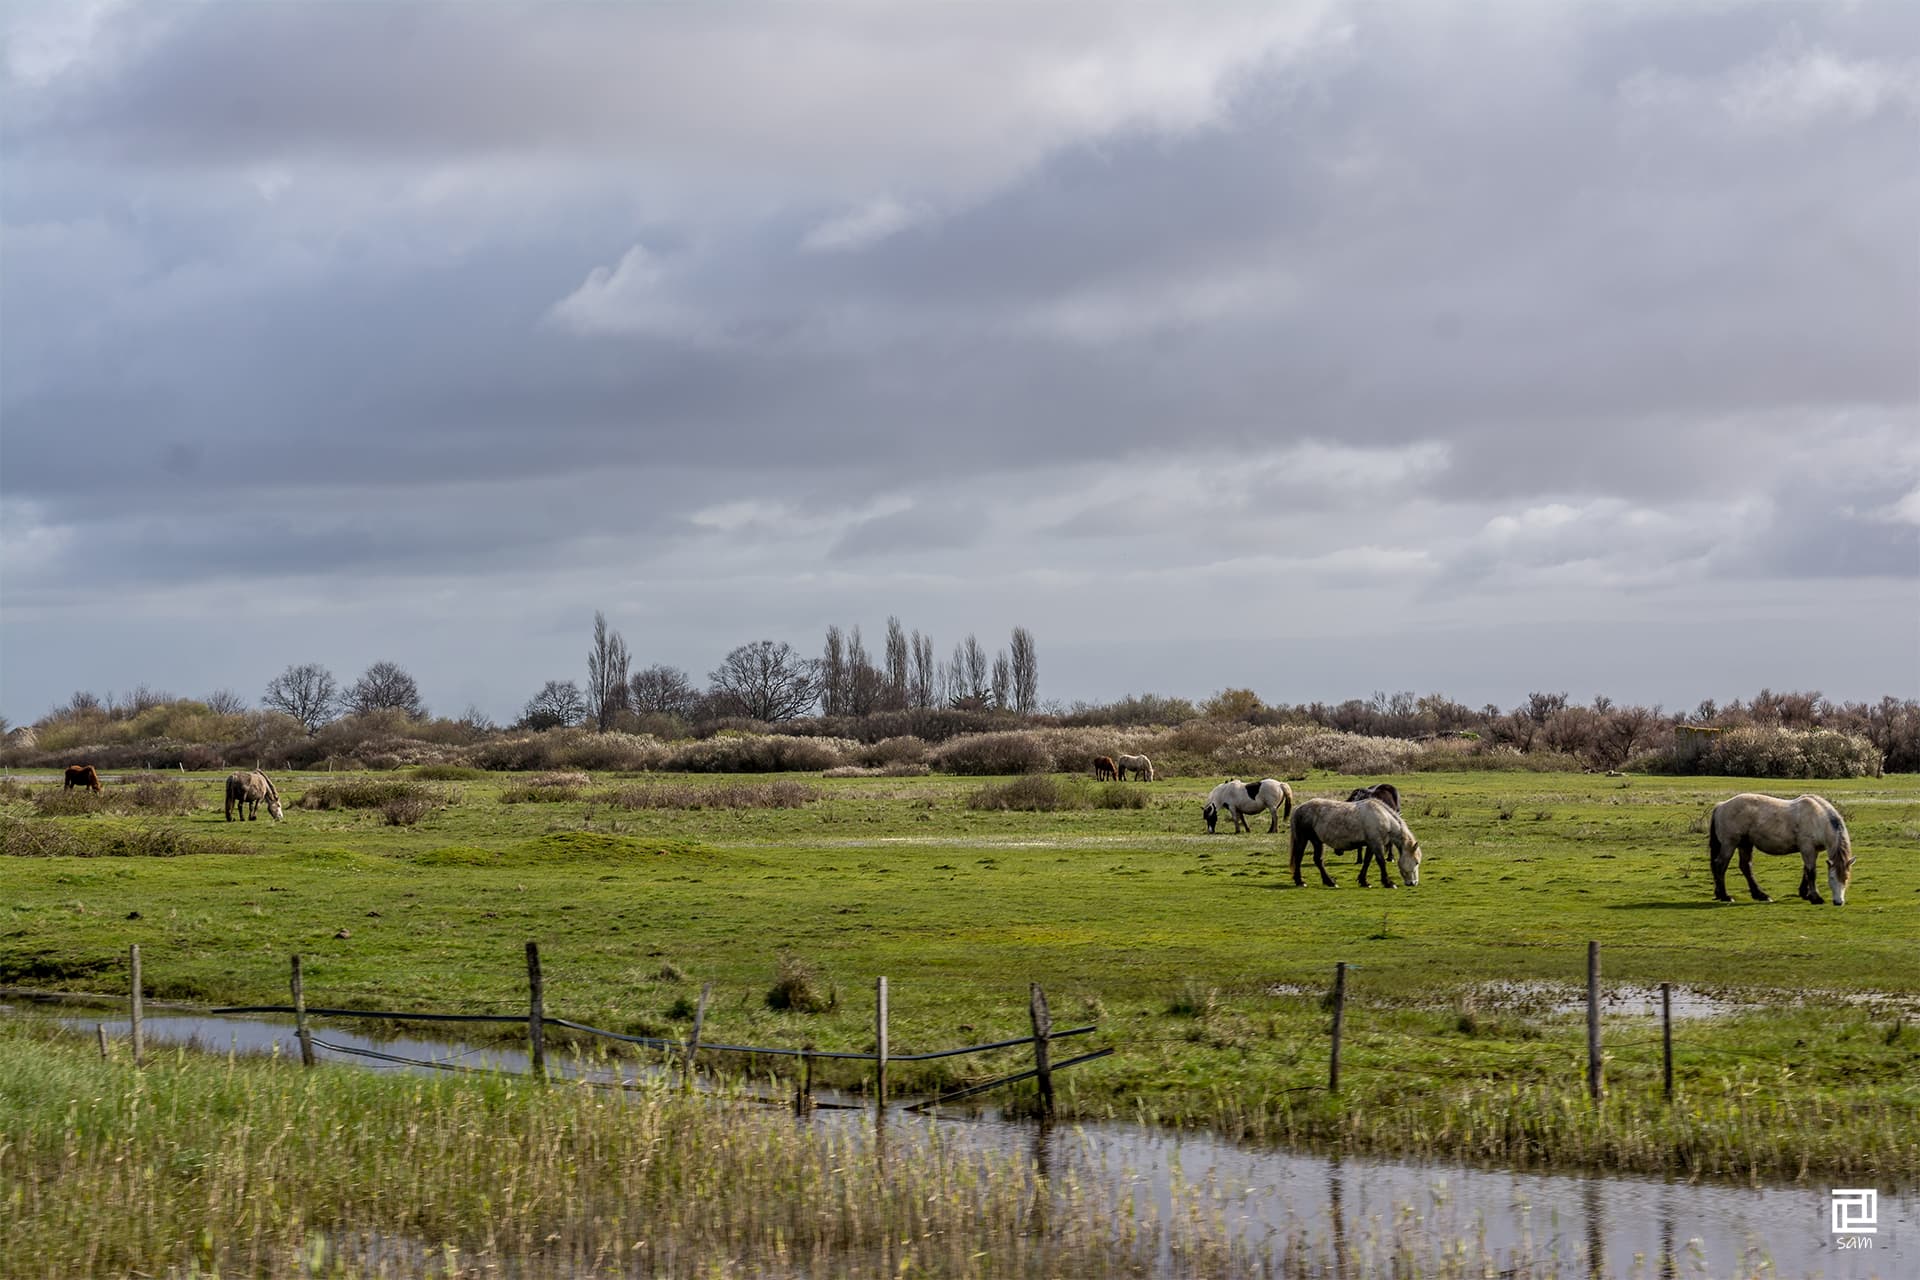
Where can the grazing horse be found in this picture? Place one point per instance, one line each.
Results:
(1139, 766)
(1804, 826)
(1103, 770)
(1368, 825)
(80, 775)
(1239, 799)
(1385, 792)
(247, 789)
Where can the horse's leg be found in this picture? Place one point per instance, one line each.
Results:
(1293, 861)
(1363, 865)
(1275, 824)
(1809, 886)
(1321, 867)
(1746, 869)
(1722, 854)
(1240, 823)
(1377, 850)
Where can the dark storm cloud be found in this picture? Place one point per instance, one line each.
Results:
(393, 291)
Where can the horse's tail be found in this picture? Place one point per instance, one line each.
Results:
(1713, 837)
(1286, 800)
(1297, 833)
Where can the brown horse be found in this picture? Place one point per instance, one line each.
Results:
(81, 775)
(1103, 770)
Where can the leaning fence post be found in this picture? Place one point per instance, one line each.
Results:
(536, 1013)
(880, 1044)
(803, 1097)
(139, 1040)
(1593, 1020)
(693, 1045)
(1666, 1036)
(101, 1027)
(300, 1016)
(1339, 1024)
(1042, 1033)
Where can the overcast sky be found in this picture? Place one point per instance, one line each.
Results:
(1318, 350)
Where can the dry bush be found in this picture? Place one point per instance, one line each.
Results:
(406, 810)
(154, 793)
(903, 749)
(783, 794)
(1118, 795)
(1035, 793)
(762, 753)
(1762, 752)
(982, 754)
(546, 788)
(12, 789)
(796, 986)
(372, 793)
(853, 771)
(70, 803)
(607, 752)
(448, 773)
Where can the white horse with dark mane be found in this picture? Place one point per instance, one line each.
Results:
(1368, 825)
(248, 789)
(1805, 826)
(1139, 766)
(1239, 799)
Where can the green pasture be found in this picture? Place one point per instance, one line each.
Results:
(1201, 962)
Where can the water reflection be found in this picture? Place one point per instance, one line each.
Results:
(1353, 1212)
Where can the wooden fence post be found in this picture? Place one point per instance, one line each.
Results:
(1593, 1020)
(880, 1044)
(693, 1045)
(300, 1016)
(139, 1037)
(803, 1097)
(1339, 1024)
(1042, 1034)
(101, 1027)
(1666, 1036)
(536, 1013)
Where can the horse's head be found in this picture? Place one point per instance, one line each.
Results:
(1212, 814)
(273, 807)
(1410, 860)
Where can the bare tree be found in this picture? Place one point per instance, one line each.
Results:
(224, 702)
(1026, 671)
(864, 681)
(558, 705)
(896, 695)
(1002, 681)
(606, 673)
(766, 681)
(384, 686)
(306, 692)
(833, 673)
(924, 691)
(967, 680)
(662, 690)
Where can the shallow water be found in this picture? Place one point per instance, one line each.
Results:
(1353, 1211)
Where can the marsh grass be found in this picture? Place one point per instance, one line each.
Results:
(28, 838)
(546, 788)
(782, 794)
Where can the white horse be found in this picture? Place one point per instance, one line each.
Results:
(1368, 825)
(1242, 798)
(1141, 767)
(247, 789)
(1804, 826)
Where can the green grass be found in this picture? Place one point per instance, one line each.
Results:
(1197, 956)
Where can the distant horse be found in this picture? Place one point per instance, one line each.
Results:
(1103, 770)
(81, 775)
(1368, 825)
(1385, 792)
(1239, 799)
(247, 789)
(1804, 826)
(1139, 766)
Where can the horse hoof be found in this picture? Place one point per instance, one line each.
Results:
(1723, 897)
(1758, 897)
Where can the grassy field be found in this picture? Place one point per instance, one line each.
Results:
(1200, 961)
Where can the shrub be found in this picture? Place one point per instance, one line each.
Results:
(992, 753)
(26, 838)
(1119, 795)
(1034, 793)
(372, 793)
(762, 753)
(903, 749)
(156, 794)
(448, 773)
(404, 811)
(63, 803)
(545, 788)
(796, 986)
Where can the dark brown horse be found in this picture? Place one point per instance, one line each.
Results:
(81, 775)
(1103, 770)
(1385, 792)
